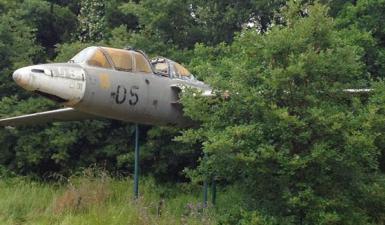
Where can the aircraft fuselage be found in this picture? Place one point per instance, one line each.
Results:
(136, 94)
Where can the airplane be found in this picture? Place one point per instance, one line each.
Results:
(103, 82)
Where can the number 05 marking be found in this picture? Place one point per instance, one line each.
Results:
(134, 98)
(121, 95)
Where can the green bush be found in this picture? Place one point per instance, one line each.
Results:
(303, 148)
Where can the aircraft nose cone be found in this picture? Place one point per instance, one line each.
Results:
(21, 77)
(16, 75)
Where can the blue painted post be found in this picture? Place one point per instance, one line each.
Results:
(213, 191)
(205, 186)
(136, 169)
(205, 190)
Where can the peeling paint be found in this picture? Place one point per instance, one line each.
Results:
(104, 81)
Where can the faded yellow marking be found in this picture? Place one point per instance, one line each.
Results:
(104, 81)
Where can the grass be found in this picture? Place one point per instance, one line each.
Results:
(100, 200)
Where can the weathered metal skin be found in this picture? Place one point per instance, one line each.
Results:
(144, 97)
(131, 97)
(63, 82)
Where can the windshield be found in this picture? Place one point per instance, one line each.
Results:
(98, 59)
(93, 56)
(83, 55)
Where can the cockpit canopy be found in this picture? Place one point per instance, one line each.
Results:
(130, 61)
(113, 58)
(169, 68)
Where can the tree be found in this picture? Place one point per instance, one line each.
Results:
(15, 35)
(367, 16)
(92, 20)
(292, 140)
(53, 24)
(184, 23)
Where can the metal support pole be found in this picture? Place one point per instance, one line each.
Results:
(205, 190)
(213, 191)
(205, 186)
(136, 169)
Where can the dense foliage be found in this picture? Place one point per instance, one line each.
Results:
(299, 149)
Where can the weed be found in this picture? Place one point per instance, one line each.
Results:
(81, 193)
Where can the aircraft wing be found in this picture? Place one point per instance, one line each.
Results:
(58, 115)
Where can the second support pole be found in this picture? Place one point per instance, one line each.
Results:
(136, 169)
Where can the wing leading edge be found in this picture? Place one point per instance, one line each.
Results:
(58, 115)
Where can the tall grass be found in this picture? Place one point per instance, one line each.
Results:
(99, 200)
